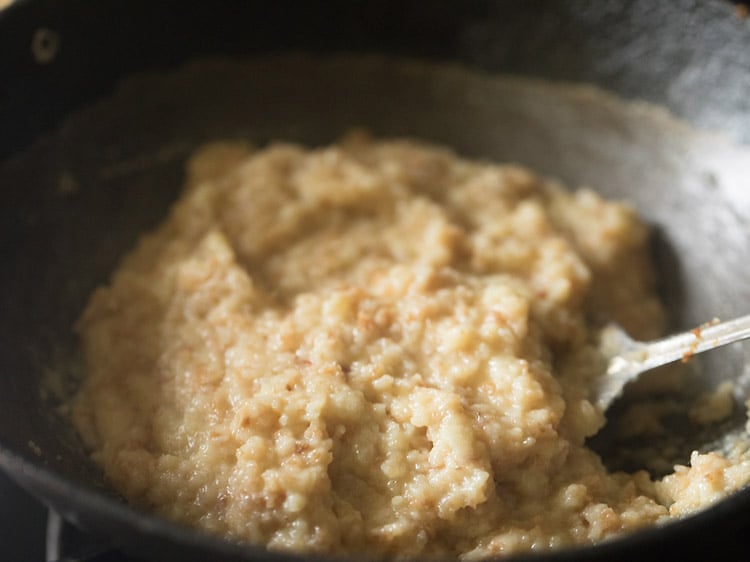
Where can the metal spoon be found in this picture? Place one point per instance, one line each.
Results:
(627, 358)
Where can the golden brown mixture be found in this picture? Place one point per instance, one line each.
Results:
(374, 347)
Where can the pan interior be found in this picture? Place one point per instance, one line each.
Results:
(81, 196)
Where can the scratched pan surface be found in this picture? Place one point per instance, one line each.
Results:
(95, 129)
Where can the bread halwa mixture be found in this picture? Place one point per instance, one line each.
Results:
(375, 347)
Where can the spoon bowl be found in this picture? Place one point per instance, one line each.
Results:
(627, 359)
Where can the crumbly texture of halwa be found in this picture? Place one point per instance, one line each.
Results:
(374, 347)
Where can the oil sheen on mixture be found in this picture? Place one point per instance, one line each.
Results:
(375, 347)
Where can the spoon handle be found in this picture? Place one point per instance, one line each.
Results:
(685, 345)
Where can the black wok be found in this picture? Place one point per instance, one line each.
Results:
(88, 165)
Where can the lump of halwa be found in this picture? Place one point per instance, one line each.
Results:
(376, 346)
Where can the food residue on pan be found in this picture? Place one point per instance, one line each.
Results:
(380, 347)
(36, 449)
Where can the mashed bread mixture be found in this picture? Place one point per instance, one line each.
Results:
(375, 347)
